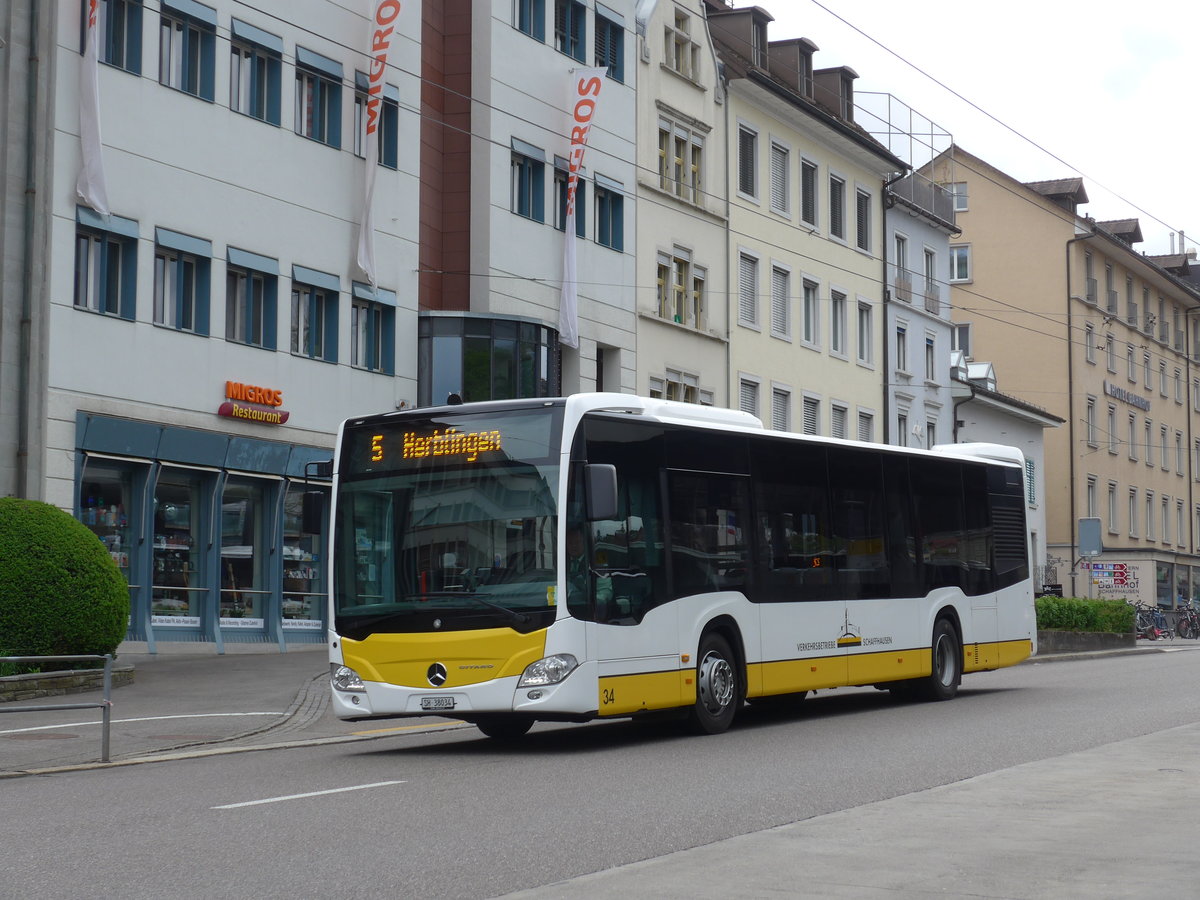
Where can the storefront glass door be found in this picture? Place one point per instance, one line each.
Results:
(178, 583)
(244, 551)
(304, 594)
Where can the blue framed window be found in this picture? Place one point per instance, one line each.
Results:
(570, 22)
(610, 214)
(610, 45)
(318, 97)
(119, 23)
(182, 281)
(106, 264)
(187, 47)
(251, 292)
(255, 72)
(315, 313)
(388, 126)
(531, 18)
(528, 181)
(561, 175)
(373, 329)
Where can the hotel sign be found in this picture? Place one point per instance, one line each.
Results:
(253, 403)
(1121, 394)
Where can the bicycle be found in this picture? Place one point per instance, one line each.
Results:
(1150, 623)
(1187, 620)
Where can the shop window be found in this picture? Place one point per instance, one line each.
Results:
(318, 97)
(106, 264)
(119, 23)
(182, 281)
(304, 595)
(177, 578)
(314, 314)
(187, 48)
(244, 584)
(386, 114)
(255, 72)
(105, 499)
(251, 286)
(373, 329)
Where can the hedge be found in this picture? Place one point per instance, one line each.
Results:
(60, 591)
(1081, 614)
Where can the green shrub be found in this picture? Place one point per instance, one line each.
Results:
(60, 592)
(1081, 614)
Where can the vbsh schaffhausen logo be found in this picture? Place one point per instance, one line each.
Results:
(436, 675)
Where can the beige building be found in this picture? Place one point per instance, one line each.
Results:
(1079, 322)
(682, 270)
(806, 188)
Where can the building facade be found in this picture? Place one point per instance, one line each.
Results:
(806, 188)
(1079, 322)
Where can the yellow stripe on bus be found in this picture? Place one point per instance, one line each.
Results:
(469, 657)
(621, 695)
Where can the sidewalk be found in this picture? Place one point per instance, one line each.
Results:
(188, 701)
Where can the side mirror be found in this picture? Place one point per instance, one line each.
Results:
(600, 483)
(312, 512)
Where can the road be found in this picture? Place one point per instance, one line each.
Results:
(451, 814)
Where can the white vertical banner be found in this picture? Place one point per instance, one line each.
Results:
(380, 41)
(91, 186)
(584, 95)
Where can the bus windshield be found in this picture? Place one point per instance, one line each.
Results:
(447, 522)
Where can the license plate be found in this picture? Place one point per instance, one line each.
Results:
(437, 703)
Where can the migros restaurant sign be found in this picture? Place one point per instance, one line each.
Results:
(253, 403)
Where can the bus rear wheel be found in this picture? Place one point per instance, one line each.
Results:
(504, 729)
(718, 687)
(943, 681)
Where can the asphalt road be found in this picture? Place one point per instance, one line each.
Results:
(451, 814)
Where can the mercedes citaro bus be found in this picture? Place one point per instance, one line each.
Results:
(606, 555)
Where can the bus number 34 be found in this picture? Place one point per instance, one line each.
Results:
(608, 696)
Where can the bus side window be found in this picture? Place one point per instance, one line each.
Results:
(709, 534)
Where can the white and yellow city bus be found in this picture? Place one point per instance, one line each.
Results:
(605, 555)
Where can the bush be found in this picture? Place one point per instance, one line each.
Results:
(60, 592)
(1081, 614)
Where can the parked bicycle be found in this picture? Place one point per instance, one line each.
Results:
(1150, 623)
(1187, 620)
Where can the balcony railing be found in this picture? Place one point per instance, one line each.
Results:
(1112, 301)
(1092, 289)
(904, 288)
(933, 298)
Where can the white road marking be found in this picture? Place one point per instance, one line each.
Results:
(142, 719)
(357, 787)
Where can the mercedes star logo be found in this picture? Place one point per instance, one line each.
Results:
(436, 674)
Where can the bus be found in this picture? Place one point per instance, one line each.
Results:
(605, 555)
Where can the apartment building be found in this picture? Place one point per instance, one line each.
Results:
(500, 84)
(682, 265)
(1078, 321)
(806, 188)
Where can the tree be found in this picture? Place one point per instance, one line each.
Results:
(60, 591)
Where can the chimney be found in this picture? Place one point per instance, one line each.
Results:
(834, 89)
(792, 63)
(1172, 243)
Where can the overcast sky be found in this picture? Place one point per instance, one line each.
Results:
(1108, 88)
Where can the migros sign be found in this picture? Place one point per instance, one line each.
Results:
(253, 403)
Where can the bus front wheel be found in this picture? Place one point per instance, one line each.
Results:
(718, 686)
(504, 729)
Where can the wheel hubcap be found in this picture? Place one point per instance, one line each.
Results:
(716, 682)
(945, 661)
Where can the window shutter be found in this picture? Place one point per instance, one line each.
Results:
(808, 191)
(748, 287)
(746, 147)
(863, 212)
(779, 301)
(812, 409)
(779, 171)
(837, 198)
(839, 422)
(779, 410)
(748, 396)
(864, 427)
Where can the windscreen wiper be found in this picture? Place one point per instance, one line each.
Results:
(512, 614)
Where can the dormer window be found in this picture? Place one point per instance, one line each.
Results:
(758, 44)
(680, 52)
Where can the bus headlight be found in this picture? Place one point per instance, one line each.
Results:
(345, 679)
(550, 670)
